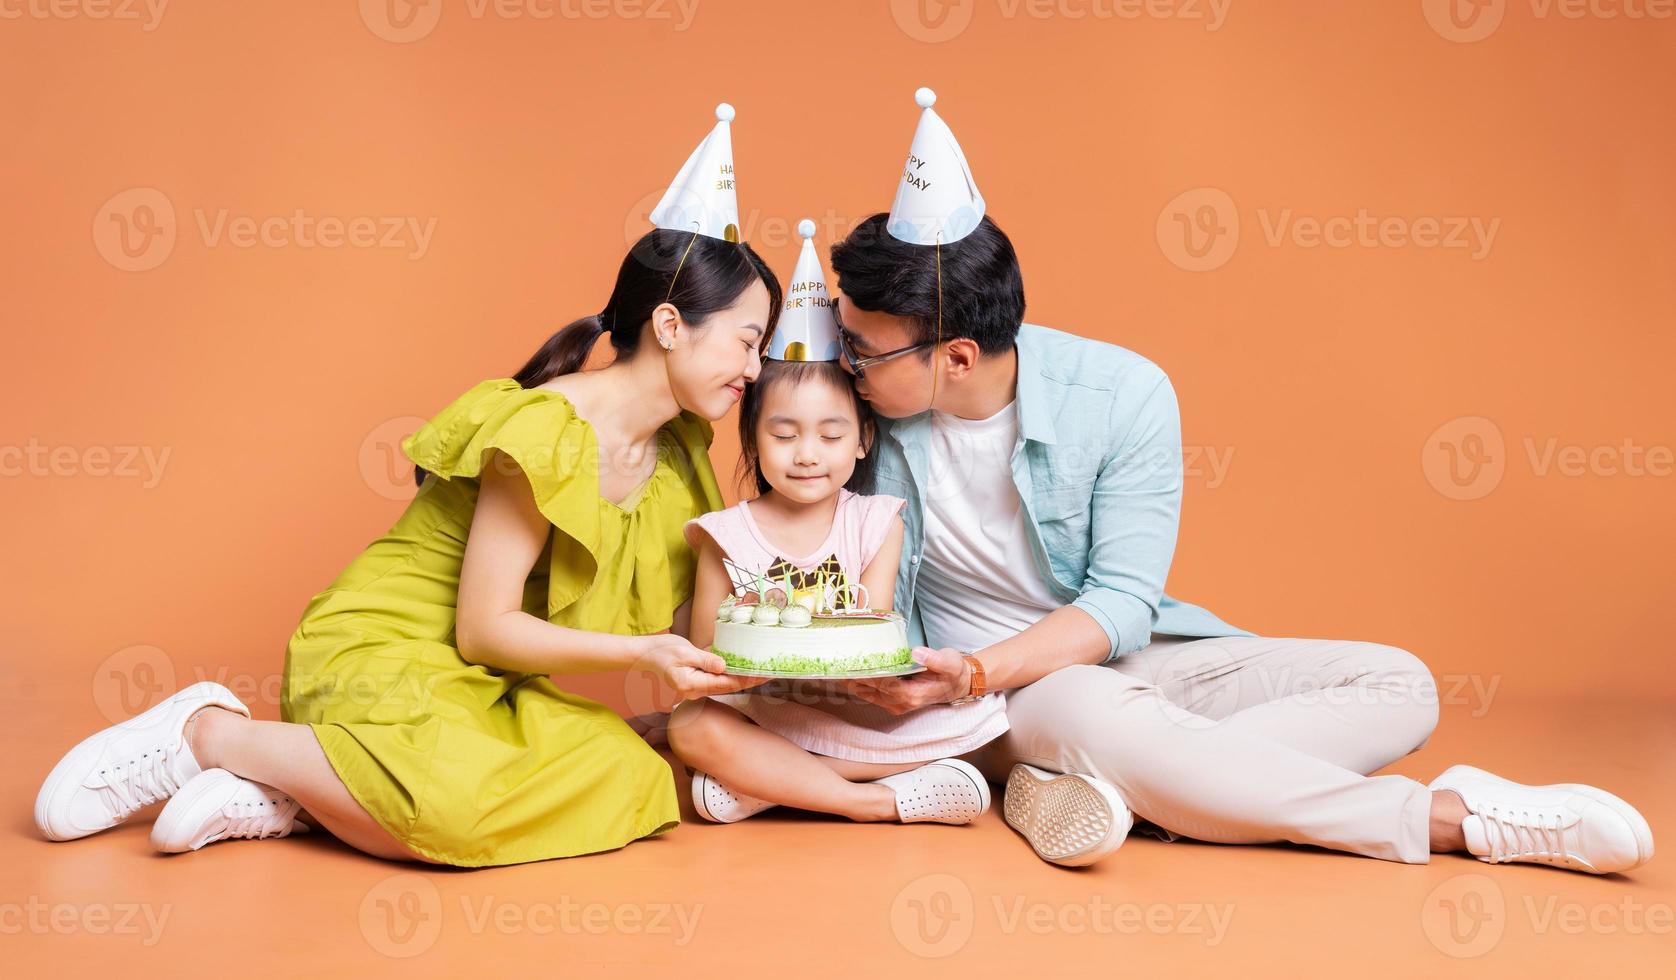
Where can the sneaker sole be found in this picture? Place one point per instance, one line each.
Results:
(81, 757)
(1064, 817)
(1637, 823)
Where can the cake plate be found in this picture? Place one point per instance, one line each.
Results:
(901, 671)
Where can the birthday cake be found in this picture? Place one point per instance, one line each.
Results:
(821, 629)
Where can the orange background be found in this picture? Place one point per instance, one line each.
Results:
(279, 379)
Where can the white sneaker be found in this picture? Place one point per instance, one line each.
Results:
(217, 805)
(113, 773)
(1068, 818)
(1567, 825)
(946, 791)
(718, 804)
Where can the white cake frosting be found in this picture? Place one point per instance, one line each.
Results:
(852, 642)
(819, 628)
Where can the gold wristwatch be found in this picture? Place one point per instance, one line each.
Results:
(979, 687)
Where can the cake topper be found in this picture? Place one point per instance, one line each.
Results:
(823, 590)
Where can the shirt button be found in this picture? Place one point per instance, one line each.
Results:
(913, 559)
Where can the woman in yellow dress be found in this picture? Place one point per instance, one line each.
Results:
(419, 722)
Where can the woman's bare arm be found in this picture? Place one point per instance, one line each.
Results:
(507, 534)
(682, 626)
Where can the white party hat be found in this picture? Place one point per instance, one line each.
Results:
(937, 200)
(807, 330)
(702, 198)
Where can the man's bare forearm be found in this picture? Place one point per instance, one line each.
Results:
(1063, 638)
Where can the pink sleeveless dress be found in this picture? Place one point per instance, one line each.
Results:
(818, 716)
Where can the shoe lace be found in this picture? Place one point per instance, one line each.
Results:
(1515, 833)
(256, 820)
(138, 782)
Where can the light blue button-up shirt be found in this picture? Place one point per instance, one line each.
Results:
(1099, 469)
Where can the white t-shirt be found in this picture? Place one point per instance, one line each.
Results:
(978, 582)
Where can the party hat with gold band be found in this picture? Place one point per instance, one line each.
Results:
(807, 330)
(702, 199)
(937, 201)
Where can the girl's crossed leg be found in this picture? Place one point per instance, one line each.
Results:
(766, 768)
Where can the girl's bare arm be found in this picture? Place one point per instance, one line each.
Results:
(880, 574)
(712, 585)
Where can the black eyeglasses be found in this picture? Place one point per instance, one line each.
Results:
(859, 365)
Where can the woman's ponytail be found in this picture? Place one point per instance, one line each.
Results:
(710, 278)
(564, 353)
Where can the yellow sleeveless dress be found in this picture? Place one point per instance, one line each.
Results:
(475, 766)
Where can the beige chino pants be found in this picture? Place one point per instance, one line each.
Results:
(1241, 740)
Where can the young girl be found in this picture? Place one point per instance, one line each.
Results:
(807, 744)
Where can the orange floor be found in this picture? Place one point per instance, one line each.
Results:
(802, 896)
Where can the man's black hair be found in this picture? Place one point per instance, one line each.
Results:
(983, 290)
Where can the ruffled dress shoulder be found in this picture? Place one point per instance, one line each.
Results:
(618, 568)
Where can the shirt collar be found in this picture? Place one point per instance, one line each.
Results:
(1035, 420)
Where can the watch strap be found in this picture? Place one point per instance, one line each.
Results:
(980, 685)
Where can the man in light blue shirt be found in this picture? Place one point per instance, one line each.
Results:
(1123, 701)
(1099, 474)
